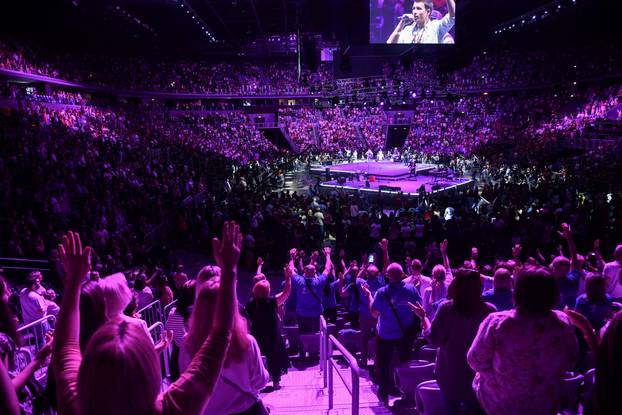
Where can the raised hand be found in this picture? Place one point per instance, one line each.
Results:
(165, 340)
(288, 272)
(443, 246)
(417, 309)
(293, 253)
(227, 249)
(365, 288)
(45, 351)
(578, 320)
(566, 232)
(384, 244)
(342, 253)
(474, 253)
(75, 260)
(259, 261)
(314, 255)
(327, 250)
(516, 250)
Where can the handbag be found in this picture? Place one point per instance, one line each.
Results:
(258, 408)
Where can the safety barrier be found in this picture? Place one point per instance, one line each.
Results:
(167, 310)
(328, 364)
(33, 334)
(152, 313)
(157, 331)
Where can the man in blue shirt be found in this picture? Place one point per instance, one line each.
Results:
(309, 291)
(397, 327)
(370, 277)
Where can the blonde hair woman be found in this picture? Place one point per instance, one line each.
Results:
(119, 372)
(243, 374)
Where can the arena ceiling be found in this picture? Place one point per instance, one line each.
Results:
(217, 26)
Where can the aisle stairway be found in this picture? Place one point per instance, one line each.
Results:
(302, 392)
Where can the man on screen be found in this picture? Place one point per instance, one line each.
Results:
(419, 28)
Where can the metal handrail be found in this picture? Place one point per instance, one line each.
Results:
(45, 261)
(147, 306)
(327, 343)
(167, 310)
(41, 320)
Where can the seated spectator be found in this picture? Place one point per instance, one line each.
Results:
(142, 292)
(522, 355)
(9, 343)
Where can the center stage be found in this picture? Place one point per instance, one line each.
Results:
(385, 170)
(387, 177)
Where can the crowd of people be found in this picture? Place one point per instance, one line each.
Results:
(514, 280)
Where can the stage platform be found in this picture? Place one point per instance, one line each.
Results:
(409, 187)
(383, 170)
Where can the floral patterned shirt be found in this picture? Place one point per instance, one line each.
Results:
(520, 362)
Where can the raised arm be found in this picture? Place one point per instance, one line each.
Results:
(8, 398)
(398, 29)
(600, 262)
(443, 248)
(329, 263)
(193, 389)
(292, 258)
(370, 299)
(66, 356)
(287, 289)
(566, 233)
(384, 246)
(451, 7)
(259, 266)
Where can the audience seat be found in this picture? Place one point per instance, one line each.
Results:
(429, 399)
(350, 339)
(310, 343)
(409, 376)
(293, 336)
(427, 353)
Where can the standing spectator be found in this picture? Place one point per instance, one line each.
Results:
(501, 294)
(308, 289)
(453, 329)
(177, 322)
(262, 311)
(522, 355)
(613, 274)
(118, 347)
(595, 304)
(397, 327)
(243, 375)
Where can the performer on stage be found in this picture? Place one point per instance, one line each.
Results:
(419, 28)
(355, 155)
(380, 156)
(370, 155)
